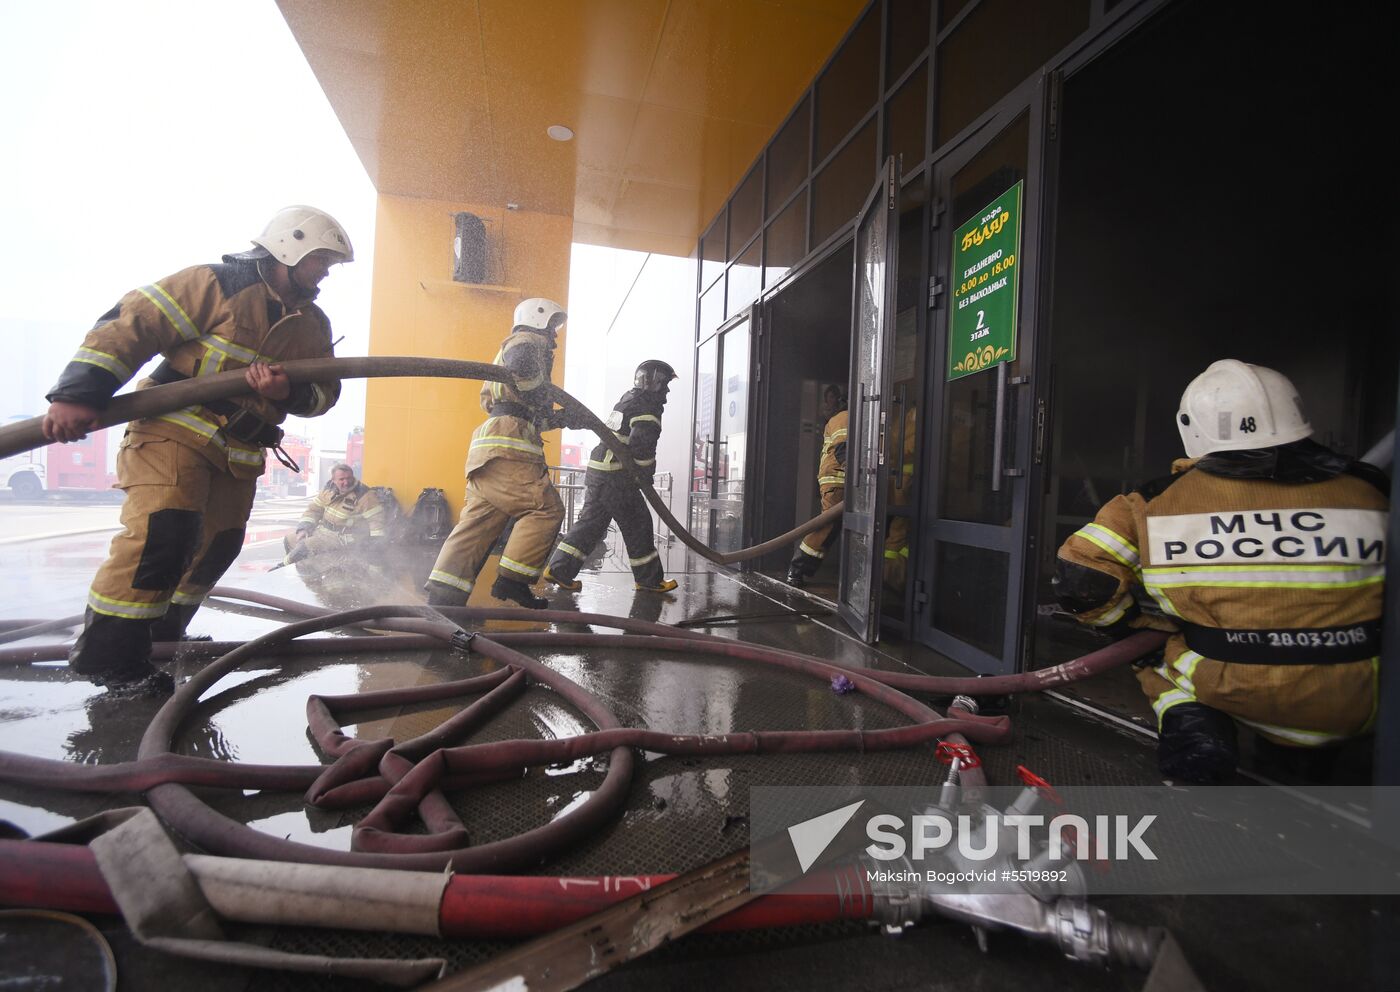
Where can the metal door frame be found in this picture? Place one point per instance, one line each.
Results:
(864, 618)
(1029, 99)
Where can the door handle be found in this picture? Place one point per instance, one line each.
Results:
(854, 451)
(999, 428)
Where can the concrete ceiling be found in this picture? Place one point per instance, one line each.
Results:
(670, 100)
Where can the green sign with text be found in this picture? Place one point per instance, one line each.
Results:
(982, 332)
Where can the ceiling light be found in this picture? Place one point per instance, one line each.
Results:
(559, 132)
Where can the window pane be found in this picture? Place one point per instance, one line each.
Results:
(746, 210)
(984, 59)
(786, 241)
(969, 441)
(711, 310)
(712, 255)
(908, 36)
(905, 118)
(744, 278)
(787, 156)
(972, 608)
(849, 87)
(841, 187)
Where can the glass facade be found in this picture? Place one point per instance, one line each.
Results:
(886, 92)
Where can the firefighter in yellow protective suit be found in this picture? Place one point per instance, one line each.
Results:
(1266, 552)
(507, 478)
(831, 483)
(346, 512)
(189, 476)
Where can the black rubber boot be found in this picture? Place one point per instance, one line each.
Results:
(112, 650)
(517, 592)
(1197, 745)
(172, 626)
(796, 576)
(152, 685)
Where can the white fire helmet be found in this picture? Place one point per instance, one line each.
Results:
(295, 232)
(1233, 406)
(539, 314)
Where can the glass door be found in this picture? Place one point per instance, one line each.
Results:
(702, 439)
(973, 553)
(862, 523)
(720, 453)
(731, 437)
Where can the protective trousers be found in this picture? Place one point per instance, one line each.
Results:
(813, 547)
(500, 491)
(184, 521)
(604, 502)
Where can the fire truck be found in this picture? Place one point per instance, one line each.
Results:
(77, 467)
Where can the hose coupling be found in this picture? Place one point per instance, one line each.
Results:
(461, 640)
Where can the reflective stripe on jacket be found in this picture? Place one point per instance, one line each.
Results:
(1284, 578)
(530, 356)
(357, 513)
(636, 421)
(203, 320)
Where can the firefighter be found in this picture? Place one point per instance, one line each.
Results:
(346, 512)
(610, 495)
(507, 479)
(190, 476)
(831, 483)
(1265, 550)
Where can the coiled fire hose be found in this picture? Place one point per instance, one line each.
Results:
(29, 434)
(387, 773)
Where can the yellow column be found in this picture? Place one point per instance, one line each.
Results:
(417, 430)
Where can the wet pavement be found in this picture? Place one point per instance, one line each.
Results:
(681, 812)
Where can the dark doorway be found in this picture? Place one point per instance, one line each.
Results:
(807, 333)
(1219, 196)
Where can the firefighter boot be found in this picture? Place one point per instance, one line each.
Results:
(572, 585)
(1196, 745)
(516, 592)
(171, 627)
(665, 585)
(115, 652)
(797, 576)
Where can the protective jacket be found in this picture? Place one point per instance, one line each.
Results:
(1269, 565)
(354, 515)
(831, 473)
(636, 420)
(203, 320)
(519, 413)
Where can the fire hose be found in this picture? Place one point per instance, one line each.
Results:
(156, 400)
(407, 778)
(484, 906)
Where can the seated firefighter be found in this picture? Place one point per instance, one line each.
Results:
(610, 494)
(507, 478)
(346, 512)
(831, 483)
(1265, 550)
